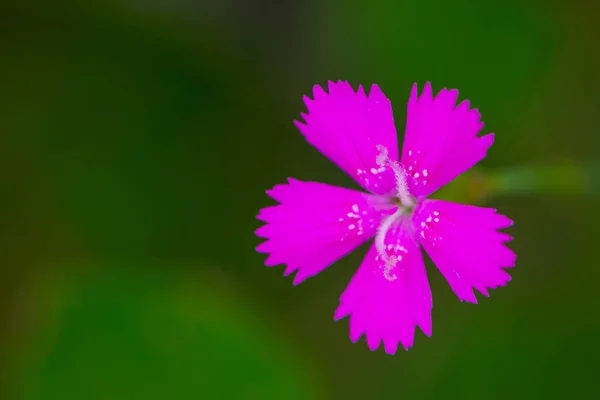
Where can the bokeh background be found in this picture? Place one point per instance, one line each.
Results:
(137, 138)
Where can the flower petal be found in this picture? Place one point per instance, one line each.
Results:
(316, 224)
(389, 309)
(440, 140)
(464, 243)
(347, 127)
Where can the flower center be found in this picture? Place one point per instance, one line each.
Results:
(405, 205)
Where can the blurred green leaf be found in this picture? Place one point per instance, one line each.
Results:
(546, 179)
(125, 334)
(558, 179)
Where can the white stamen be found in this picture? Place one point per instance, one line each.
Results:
(384, 227)
(382, 157)
(406, 201)
(401, 187)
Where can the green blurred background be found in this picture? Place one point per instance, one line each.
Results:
(137, 138)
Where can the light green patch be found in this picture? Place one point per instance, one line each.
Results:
(143, 334)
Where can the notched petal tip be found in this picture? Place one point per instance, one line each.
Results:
(360, 91)
(338, 86)
(314, 225)
(309, 103)
(427, 93)
(463, 106)
(450, 97)
(300, 277)
(335, 82)
(277, 192)
(341, 312)
(272, 261)
(391, 347)
(373, 341)
(302, 127)
(336, 126)
(376, 91)
(262, 231)
(443, 138)
(289, 269)
(331, 86)
(318, 93)
(502, 221)
(262, 248)
(465, 244)
(388, 307)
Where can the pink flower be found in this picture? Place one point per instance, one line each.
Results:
(316, 224)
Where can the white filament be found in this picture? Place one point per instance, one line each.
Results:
(384, 227)
(406, 201)
(401, 187)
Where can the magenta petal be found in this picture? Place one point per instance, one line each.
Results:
(387, 309)
(347, 126)
(464, 243)
(440, 140)
(316, 224)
